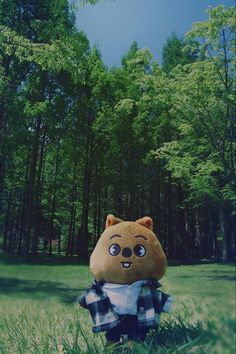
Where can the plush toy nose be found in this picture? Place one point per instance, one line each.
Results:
(126, 252)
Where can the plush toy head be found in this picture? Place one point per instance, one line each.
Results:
(128, 251)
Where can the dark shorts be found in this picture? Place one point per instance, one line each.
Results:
(128, 325)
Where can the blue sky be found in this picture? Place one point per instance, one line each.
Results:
(113, 25)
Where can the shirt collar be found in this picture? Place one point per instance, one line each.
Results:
(97, 284)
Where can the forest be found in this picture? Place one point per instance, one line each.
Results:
(79, 140)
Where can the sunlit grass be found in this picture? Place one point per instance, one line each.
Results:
(39, 313)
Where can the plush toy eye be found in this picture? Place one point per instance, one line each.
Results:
(114, 249)
(139, 250)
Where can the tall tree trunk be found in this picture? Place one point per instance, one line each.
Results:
(169, 217)
(198, 233)
(30, 199)
(157, 210)
(59, 241)
(119, 206)
(51, 222)
(83, 233)
(23, 203)
(5, 97)
(7, 222)
(227, 233)
(184, 245)
(98, 195)
(71, 236)
(225, 254)
(11, 228)
(17, 223)
(35, 238)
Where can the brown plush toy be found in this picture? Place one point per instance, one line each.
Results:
(126, 263)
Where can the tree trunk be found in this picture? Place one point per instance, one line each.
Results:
(7, 222)
(227, 233)
(198, 234)
(83, 234)
(51, 223)
(29, 214)
(35, 238)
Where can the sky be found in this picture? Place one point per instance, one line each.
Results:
(112, 25)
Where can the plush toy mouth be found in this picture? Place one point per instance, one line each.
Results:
(126, 264)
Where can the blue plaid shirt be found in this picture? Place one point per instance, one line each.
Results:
(151, 302)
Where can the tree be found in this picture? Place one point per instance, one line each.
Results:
(39, 94)
(79, 141)
(202, 97)
(178, 51)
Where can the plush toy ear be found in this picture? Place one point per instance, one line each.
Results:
(112, 220)
(146, 221)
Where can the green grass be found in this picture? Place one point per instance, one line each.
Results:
(39, 313)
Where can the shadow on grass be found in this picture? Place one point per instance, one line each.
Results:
(222, 277)
(39, 290)
(54, 260)
(197, 261)
(211, 277)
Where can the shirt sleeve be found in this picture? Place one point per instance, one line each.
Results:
(162, 301)
(82, 300)
(167, 305)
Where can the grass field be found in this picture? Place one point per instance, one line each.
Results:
(39, 313)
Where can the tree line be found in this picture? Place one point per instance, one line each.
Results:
(79, 140)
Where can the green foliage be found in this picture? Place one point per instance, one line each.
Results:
(58, 55)
(178, 51)
(79, 140)
(131, 53)
(201, 96)
(221, 21)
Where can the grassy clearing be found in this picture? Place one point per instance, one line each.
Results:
(39, 313)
